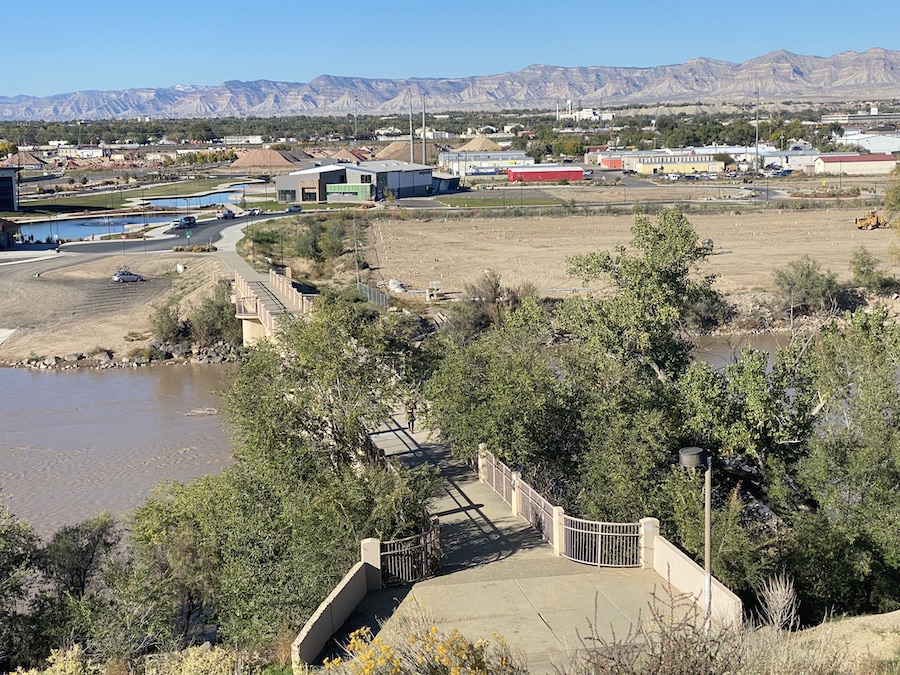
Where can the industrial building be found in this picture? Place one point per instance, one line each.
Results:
(857, 165)
(469, 163)
(9, 196)
(359, 182)
(543, 173)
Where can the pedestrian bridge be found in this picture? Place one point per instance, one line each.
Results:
(263, 303)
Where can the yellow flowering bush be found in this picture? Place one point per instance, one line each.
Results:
(70, 661)
(426, 652)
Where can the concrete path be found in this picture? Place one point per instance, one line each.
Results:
(499, 576)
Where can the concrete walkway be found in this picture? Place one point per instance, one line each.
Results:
(499, 576)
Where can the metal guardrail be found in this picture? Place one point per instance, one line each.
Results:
(499, 477)
(411, 559)
(373, 295)
(537, 510)
(584, 541)
(602, 544)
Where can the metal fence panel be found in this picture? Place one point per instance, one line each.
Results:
(411, 559)
(537, 511)
(373, 295)
(602, 544)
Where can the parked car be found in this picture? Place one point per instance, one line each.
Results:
(124, 275)
(225, 215)
(293, 208)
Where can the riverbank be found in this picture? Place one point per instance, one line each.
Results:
(64, 308)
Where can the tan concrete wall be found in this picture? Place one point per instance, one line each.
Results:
(688, 577)
(331, 614)
(252, 331)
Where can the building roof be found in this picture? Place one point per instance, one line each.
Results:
(23, 158)
(479, 144)
(380, 166)
(399, 150)
(846, 159)
(327, 168)
(264, 157)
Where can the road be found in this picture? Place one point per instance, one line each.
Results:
(204, 231)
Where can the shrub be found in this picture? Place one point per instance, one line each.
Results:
(167, 323)
(865, 273)
(214, 318)
(804, 286)
(425, 650)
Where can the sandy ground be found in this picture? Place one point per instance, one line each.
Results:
(70, 304)
(748, 247)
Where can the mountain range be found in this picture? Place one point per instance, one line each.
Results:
(776, 76)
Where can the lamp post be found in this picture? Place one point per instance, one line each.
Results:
(696, 458)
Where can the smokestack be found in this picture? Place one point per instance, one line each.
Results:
(423, 128)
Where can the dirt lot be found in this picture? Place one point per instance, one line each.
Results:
(748, 247)
(70, 304)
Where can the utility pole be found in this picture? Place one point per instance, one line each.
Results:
(423, 128)
(757, 128)
(411, 158)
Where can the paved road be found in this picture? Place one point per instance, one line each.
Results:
(163, 240)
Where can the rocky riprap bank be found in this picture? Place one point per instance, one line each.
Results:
(155, 353)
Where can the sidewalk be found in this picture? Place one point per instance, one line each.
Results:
(499, 576)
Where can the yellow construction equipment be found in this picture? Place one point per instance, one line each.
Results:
(870, 221)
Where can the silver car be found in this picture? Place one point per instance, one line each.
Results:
(124, 275)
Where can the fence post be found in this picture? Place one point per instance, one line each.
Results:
(648, 531)
(482, 463)
(370, 555)
(559, 530)
(515, 496)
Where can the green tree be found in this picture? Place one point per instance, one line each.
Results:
(213, 319)
(865, 272)
(8, 148)
(803, 286)
(643, 318)
(18, 546)
(500, 391)
(891, 200)
(309, 397)
(852, 469)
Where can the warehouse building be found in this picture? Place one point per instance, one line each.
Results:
(544, 173)
(856, 165)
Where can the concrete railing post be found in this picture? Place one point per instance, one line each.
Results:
(370, 555)
(559, 530)
(515, 496)
(482, 463)
(648, 532)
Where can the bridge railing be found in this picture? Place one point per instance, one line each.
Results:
(296, 299)
(584, 541)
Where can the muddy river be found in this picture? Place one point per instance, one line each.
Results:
(76, 443)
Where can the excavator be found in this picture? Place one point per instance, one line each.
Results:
(870, 221)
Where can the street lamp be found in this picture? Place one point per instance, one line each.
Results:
(696, 458)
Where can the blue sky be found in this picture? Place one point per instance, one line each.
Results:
(59, 46)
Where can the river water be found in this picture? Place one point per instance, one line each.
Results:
(75, 443)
